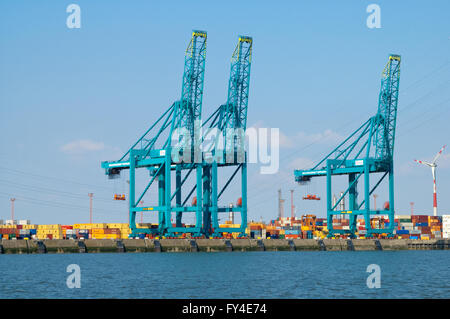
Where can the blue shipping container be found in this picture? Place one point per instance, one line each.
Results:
(422, 224)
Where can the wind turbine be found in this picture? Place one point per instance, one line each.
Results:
(433, 171)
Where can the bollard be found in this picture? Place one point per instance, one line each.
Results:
(157, 245)
(82, 247)
(261, 245)
(41, 247)
(350, 245)
(322, 245)
(378, 245)
(194, 246)
(228, 245)
(291, 245)
(120, 247)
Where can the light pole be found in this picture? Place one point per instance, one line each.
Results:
(12, 209)
(292, 205)
(375, 201)
(90, 206)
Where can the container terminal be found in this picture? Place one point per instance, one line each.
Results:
(368, 153)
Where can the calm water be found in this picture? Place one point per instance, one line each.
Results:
(404, 274)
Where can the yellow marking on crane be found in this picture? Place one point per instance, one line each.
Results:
(199, 34)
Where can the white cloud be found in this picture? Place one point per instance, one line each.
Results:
(82, 146)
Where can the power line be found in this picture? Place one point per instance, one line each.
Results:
(52, 203)
(52, 178)
(46, 190)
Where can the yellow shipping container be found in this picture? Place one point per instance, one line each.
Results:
(106, 236)
(29, 226)
(97, 230)
(117, 225)
(44, 235)
(89, 226)
(49, 227)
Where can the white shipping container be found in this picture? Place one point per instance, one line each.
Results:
(11, 222)
(407, 224)
(24, 222)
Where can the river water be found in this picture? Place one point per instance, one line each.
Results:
(403, 274)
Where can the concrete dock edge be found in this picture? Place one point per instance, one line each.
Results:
(214, 245)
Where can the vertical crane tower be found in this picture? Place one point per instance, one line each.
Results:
(356, 158)
(180, 123)
(229, 122)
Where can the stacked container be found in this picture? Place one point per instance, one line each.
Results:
(9, 232)
(49, 232)
(105, 233)
(446, 226)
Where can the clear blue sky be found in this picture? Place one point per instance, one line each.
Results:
(70, 98)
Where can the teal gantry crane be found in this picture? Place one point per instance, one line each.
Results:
(174, 143)
(355, 157)
(153, 151)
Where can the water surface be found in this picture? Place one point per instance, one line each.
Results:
(404, 274)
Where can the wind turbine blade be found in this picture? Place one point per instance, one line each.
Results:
(423, 162)
(438, 154)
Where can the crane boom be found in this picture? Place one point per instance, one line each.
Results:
(387, 108)
(193, 79)
(235, 114)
